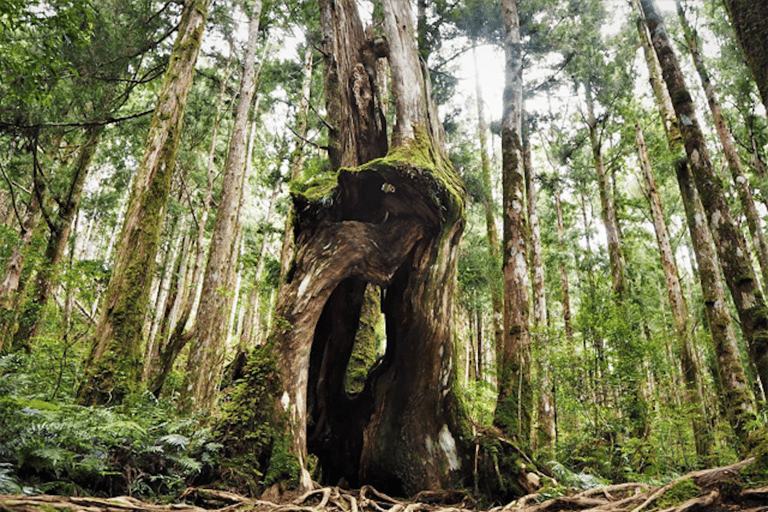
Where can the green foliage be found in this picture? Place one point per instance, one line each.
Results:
(143, 448)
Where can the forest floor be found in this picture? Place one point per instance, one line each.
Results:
(715, 489)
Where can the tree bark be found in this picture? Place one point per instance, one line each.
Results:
(729, 241)
(677, 304)
(754, 222)
(113, 367)
(750, 22)
(205, 360)
(515, 401)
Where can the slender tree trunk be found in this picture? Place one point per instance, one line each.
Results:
(60, 228)
(13, 277)
(490, 218)
(750, 22)
(677, 304)
(608, 211)
(565, 288)
(729, 241)
(205, 360)
(514, 406)
(754, 223)
(545, 414)
(113, 367)
(250, 322)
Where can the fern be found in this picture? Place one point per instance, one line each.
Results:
(175, 440)
(8, 483)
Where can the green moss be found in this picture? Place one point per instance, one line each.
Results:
(679, 493)
(253, 430)
(315, 189)
(757, 473)
(418, 156)
(283, 465)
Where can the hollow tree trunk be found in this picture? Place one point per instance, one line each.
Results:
(395, 223)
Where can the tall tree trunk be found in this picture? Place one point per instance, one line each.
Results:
(736, 397)
(565, 288)
(677, 304)
(492, 237)
(750, 22)
(545, 413)
(610, 222)
(205, 361)
(754, 222)
(729, 241)
(514, 406)
(113, 367)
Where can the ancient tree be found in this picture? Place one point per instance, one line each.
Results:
(393, 222)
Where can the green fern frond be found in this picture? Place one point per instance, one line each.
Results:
(176, 440)
(188, 464)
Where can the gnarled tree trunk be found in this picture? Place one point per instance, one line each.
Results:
(394, 222)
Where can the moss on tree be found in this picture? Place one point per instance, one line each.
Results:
(256, 448)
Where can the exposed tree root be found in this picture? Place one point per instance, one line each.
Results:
(715, 489)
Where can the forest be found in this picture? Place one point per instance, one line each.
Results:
(383, 255)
